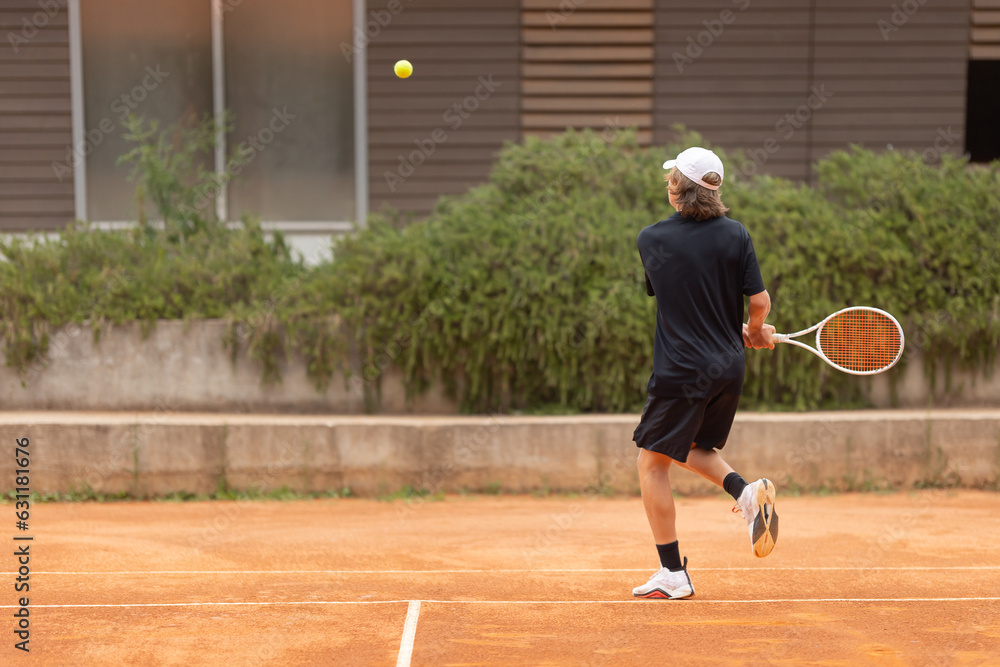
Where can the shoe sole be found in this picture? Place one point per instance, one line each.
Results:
(764, 533)
(660, 594)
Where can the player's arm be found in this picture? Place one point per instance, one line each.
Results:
(756, 333)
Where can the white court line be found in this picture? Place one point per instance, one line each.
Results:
(643, 569)
(409, 633)
(288, 603)
(292, 603)
(691, 601)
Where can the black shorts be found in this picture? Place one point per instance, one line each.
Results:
(669, 425)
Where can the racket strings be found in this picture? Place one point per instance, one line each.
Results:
(861, 340)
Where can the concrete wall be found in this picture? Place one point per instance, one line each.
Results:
(967, 388)
(183, 366)
(158, 453)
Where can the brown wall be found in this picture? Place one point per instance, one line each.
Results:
(586, 64)
(35, 117)
(907, 89)
(783, 80)
(828, 63)
(452, 45)
(985, 30)
(552, 63)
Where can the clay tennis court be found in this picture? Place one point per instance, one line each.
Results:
(906, 578)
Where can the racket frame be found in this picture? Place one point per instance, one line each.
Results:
(818, 350)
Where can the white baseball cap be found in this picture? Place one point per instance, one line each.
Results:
(695, 163)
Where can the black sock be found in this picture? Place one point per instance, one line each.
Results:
(734, 485)
(670, 556)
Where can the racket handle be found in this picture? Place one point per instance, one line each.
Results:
(779, 338)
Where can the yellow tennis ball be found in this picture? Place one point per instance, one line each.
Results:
(403, 69)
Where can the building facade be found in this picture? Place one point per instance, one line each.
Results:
(328, 132)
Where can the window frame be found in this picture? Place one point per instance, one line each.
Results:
(359, 91)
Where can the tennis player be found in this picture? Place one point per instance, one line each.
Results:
(699, 265)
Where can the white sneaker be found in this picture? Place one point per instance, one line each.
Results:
(757, 504)
(666, 585)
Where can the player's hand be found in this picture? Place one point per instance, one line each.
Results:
(746, 336)
(761, 338)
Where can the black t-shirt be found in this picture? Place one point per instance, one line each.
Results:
(699, 272)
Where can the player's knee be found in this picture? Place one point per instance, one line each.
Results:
(651, 461)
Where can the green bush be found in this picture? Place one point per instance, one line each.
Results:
(187, 265)
(527, 292)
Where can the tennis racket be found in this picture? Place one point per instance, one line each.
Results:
(858, 340)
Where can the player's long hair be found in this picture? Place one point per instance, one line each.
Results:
(693, 200)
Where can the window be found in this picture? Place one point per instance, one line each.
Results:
(152, 59)
(279, 71)
(982, 133)
(285, 74)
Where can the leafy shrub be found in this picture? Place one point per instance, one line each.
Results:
(926, 241)
(527, 291)
(168, 168)
(188, 265)
(535, 290)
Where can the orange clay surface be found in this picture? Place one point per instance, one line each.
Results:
(901, 579)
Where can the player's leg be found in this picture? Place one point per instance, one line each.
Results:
(710, 465)
(657, 496)
(672, 580)
(756, 499)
